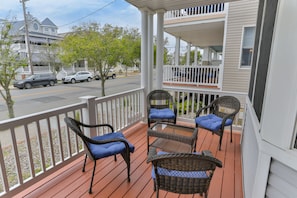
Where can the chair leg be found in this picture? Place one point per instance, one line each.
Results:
(231, 132)
(157, 193)
(83, 170)
(221, 137)
(126, 156)
(94, 168)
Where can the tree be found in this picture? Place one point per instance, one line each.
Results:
(50, 55)
(102, 47)
(183, 60)
(9, 62)
(131, 47)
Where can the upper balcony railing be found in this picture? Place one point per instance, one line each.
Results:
(34, 146)
(195, 11)
(193, 75)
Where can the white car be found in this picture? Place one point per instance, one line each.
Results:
(78, 77)
(111, 74)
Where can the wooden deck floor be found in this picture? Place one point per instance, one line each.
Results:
(111, 177)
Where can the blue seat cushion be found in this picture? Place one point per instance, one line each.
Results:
(105, 150)
(211, 122)
(165, 113)
(176, 173)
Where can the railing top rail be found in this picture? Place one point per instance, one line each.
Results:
(117, 95)
(40, 115)
(205, 91)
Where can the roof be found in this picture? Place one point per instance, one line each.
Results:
(47, 22)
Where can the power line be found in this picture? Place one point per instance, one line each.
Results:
(79, 19)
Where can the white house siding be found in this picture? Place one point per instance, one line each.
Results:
(281, 181)
(276, 170)
(250, 150)
(241, 13)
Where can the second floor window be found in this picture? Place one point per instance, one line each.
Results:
(247, 46)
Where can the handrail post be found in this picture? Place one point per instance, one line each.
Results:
(89, 114)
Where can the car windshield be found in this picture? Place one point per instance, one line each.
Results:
(73, 73)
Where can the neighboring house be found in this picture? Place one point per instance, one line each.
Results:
(269, 143)
(225, 32)
(41, 36)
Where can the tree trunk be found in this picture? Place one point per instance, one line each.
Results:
(102, 86)
(9, 103)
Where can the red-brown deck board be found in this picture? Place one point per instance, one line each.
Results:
(111, 177)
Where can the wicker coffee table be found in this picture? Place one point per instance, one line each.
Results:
(172, 137)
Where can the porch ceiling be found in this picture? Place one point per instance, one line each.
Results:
(199, 34)
(167, 5)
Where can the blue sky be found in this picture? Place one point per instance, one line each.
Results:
(67, 13)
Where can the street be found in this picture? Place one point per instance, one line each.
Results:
(28, 101)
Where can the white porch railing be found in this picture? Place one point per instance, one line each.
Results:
(188, 102)
(195, 11)
(36, 145)
(192, 75)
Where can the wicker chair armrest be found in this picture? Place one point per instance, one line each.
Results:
(151, 154)
(202, 109)
(174, 108)
(229, 116)
(207, 153)
(96, 125)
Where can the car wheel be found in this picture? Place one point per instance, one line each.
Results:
(89, 79)
(73, 81)
(28, 86)
(51, 83)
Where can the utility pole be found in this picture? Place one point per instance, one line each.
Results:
(27, 41)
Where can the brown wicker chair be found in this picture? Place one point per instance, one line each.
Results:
(106, 145)
(184, 173)
(161, 107)
(221, 113)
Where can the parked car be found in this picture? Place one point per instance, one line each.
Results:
(34, 80)
(111, 74)
(78, 77)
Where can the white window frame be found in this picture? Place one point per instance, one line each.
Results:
(241, 47)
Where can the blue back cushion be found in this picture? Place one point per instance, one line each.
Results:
(176, 173)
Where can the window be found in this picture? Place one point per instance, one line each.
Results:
(248, 40)
(261, 57)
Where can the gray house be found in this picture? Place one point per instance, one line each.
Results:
(41, 36)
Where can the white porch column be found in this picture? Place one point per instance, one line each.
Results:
(160, 48)
(177, 51)
(144, 51)
(205, 56)
(188, 54)
(150, 51)
(195, 56)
